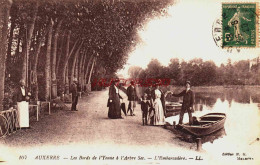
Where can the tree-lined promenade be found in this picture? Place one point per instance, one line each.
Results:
(49, 43)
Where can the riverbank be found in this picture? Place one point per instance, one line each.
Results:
(78, 137)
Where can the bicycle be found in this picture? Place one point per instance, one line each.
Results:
(3, 126)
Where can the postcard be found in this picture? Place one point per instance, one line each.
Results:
(130, 82)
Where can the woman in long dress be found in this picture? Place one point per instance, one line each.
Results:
(114, 111)
(158, 105)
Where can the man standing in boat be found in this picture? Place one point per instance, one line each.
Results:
(187, 104)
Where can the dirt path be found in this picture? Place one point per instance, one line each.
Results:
(90, 127)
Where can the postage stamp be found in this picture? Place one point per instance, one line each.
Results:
(240, 25)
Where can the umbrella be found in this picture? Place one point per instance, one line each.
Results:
(123, 108)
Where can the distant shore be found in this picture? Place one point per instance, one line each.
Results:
(216, 88)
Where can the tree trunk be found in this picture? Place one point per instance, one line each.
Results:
(18, 45)
(80, 70)
(76, 74)
(4, 16)
(10, 44)
(76, 69)
(74, 63)
(26, 51)
(90, 74)
(64, 66)
(35, 63)
(87, 69)
(59, 54)
(65, 62)
(67, 81)
(54, 78)
(48, 63)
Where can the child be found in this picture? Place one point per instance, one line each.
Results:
(145, 104)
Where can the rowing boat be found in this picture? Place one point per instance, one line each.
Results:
(206, 124)
(173, 106)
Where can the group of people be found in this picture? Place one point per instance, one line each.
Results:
(152, 103)
(153, 106)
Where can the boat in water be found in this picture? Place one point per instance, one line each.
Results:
(173, 106)
(206, 124)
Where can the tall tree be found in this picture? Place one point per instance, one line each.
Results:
(65, 62)
(87, 69)
(48, 62)
(91, 70)
(28, 39)
(81, 69)
(59, 53)
(13, 15)
(54, 57)
(35, 63)
(4, 17)
(74, 63)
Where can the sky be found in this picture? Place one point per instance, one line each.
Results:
(186, 33)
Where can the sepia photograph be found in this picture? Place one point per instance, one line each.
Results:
(129, 82)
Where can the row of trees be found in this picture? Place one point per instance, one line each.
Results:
(201, 72)
(49, 43)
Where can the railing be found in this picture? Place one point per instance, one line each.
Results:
(9, 119)
(9, 122)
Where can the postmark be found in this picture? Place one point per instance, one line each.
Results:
(240, 25)
(217, 36)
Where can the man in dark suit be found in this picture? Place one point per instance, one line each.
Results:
(188, 100)
(131, 94)
(74, 92)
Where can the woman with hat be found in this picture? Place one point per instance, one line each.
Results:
(187, 104)
(158, 103)
(114, 111)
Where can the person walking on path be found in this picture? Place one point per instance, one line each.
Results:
(21, 97)
(188, 100)
(74, 92)
(114, 111)
(131, 94)
(158, 102)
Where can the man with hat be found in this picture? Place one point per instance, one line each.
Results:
(187, 104)
(132, 97)
(74, 92)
